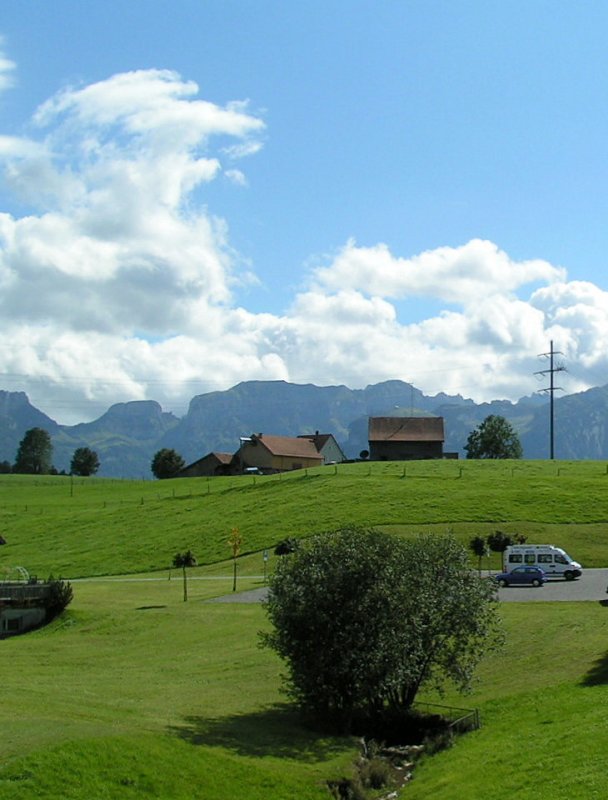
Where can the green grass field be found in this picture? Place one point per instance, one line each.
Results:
(94, 526)
(135, 694)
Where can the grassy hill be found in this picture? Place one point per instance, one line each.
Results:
(93, 526)
(135, 694)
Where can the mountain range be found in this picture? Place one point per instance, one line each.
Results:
(128, 434)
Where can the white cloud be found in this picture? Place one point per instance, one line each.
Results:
(7, 69)
(112, 173)
(452, 274)
(236, 176)
(120, 284)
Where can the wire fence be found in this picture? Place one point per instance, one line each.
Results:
(461, 720)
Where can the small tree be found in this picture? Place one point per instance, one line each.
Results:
(235, 541)
(286, 546)
(480, 548)
(84, 462)
(166, 463)
(183, 560)
(499, 541)
(34, 456)
(5, 467)
(494, 438)
(364, 619)
(59, 597)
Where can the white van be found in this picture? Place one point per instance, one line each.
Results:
(553, 560)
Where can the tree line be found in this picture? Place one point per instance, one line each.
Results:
(35, 457)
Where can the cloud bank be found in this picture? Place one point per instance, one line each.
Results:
(120, 284)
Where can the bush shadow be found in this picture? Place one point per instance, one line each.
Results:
(598, 674)
(276, 731)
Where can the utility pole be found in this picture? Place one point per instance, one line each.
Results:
(551, 389)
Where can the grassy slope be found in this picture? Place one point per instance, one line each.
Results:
(97, 527)
(136, 694)
(544, 704)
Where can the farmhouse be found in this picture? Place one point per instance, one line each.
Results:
(326, 445)
(405, 438)
(276, 453)
(212, 464)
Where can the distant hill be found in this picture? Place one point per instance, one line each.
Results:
(128, 434)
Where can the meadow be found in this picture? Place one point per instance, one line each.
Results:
(133, 693)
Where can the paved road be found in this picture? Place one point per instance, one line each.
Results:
(251, 596)
(591, 586)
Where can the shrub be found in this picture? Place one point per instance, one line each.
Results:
(59, 597)
(286, 546)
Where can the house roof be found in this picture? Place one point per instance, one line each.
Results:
(318, 439)
(406, 429)
(222, 458)
(287, 446)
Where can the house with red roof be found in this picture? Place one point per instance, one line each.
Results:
(271, 453)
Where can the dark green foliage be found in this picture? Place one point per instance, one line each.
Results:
(480, 548)
(375, 773)
(166, 463)
(59, 597)
(183, 560)
(364, 619)
(499, 541)
(286, 546)
(347, 789)
(493, 438)
(5, 467)
(84, 462)
(35, 453)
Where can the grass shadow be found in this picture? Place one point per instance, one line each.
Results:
(276, 731)
(598, 674)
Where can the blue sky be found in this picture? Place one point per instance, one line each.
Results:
(198, 193)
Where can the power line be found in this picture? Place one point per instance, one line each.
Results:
(550, 390)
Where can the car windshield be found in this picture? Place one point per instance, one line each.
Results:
(562, 558)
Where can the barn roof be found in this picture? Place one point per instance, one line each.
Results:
(406, 429)
(288, 446)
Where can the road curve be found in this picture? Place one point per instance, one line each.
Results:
(591, 586)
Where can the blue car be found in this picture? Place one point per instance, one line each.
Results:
(521, 576)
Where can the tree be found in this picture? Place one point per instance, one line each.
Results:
(183, 560)
(494, 438)
(166, 463)
(235, 540)
(84, 462)
(499, 541)
(35, 453)
(364, 619)
(5, 467)
(480, 548)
